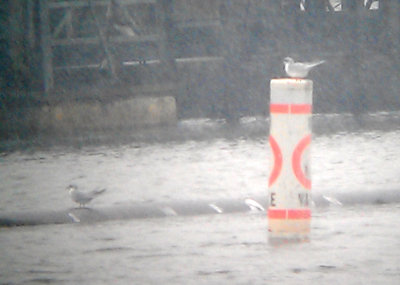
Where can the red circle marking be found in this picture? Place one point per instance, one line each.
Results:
(296, 161)
(277, 160)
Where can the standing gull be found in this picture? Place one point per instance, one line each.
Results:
(82, 198)
(299, 69)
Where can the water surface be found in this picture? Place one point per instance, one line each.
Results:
(358, 244)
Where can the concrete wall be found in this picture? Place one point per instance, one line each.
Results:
(127, 113)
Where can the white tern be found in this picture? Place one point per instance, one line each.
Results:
(299, 69)
(82, 198)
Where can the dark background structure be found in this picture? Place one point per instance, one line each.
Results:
(215, 57)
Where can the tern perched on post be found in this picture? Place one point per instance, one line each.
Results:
(299, 69)
(83, 198)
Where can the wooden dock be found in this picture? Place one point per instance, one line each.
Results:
(218, 54)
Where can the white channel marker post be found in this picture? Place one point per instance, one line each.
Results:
(289, 213)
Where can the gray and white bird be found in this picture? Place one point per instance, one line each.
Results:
(82, 198)
(299, 69)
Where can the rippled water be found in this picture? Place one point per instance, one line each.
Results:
(351, 245)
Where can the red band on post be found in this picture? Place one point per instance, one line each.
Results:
(289, 214)
(291, 108)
